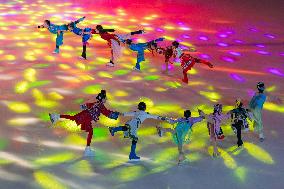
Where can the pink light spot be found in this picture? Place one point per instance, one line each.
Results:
(203, 38)
(235, 53)
(160, 30)
(239, 41)
(204, 56)
(269, 36)
(263, 52)
(253, 30)
(186, 36)
(237, 78)
(228, 59)
(260, 45)
(276, 72)
(223, 35)
(222, 44)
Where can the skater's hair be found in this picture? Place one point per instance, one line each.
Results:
(101, 95)
(71, 25)
(187, 113)
(128, 41)
(217, 108)
(175, 44)
(239, 103)
(142, 106)
(47, 22)
(100, 28)
(260, 87)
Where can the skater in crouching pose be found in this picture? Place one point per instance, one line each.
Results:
(130, 128)
(90, 112)
(182, 132)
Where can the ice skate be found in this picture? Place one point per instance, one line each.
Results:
(159, 131)
(134, 157)
(261, 137)
(110, 64)
(56, 51)
(216, 154)
(89, 152)
(54, 118)
(136, 69)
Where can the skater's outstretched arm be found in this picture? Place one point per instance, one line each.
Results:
(79, 20)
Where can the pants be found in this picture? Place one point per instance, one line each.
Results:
(238, 125)
(258, 126)
(85, 120)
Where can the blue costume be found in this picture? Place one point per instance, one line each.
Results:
(85, 33)
(59, 38)
(140, 47)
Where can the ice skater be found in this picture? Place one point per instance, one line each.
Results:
(239, 117)
(130, 128)
(90, 112)
(214, 121)
(84, 33)
(182, 132)
(58, 30)
(140, 48)
(114, 41)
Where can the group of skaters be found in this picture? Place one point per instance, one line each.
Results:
(117, 43)
(182, 127)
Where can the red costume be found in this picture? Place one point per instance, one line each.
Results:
(85, 117)
(187, 62)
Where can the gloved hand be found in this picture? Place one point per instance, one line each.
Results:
(83, 106)
(114, 115)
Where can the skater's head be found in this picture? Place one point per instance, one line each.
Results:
(260, 87)
(46, 23)
(70, 26)
(128, 41)
(175, 44)
(187, 114)
(101, 96)
(99, 28)
(142, 106)
(239, 103)
(218, 108)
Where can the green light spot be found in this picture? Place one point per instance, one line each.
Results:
(48, 181)
(121, 72)
(92, 89)
(41, 66)
(151, 77)
(39, 83)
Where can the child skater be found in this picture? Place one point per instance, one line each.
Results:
(171, 51)
(188, 61)
(214, 126)
(182, 132)
(84, 33)
(130, 128)
(256, 106)
(114, 41)
(239, 117)
(90, 112)
(58, 30)
(140, 48)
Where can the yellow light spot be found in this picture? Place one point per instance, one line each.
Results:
(274, 107)
(30, 74)
(241, 173)
(169, 27)
(49, 58)
(169, 38)
(128, 173)
(64, 66)
(120, 93)
(271, 88)
(108, 122)
(68, 125)
(67, 48)
(147, 101)
(186, 44)
(136, 78)
(55, 96)
(193, 71)
(104, 74)
(10, 57)
(75, 139)
(21, 87)
(66, 55)
(81, 168)
(48, 181)
(81, 66)
(18, 107)
(258, 153)
(213, 96)
(86, 77)
(24, 121)
(160, 89)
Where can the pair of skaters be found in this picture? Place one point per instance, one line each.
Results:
(114, 41)
(181, 133)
